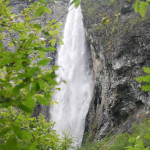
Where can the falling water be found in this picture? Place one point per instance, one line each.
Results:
(75, 95)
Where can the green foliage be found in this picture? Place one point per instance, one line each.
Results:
(105, 20)
(136, 144)
(29, 133)
(24, 42)
(76, 2)
(120, 142)
(103, 144)
(138, 140)
(141, 7)
(145, 79)
(89, 146)
(22, 78)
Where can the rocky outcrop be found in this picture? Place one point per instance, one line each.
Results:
(120, 46)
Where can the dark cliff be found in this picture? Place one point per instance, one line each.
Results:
(119, 48)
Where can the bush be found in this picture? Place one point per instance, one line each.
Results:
(138, 140)
(24, 42)
(28, 133)
(120, 142)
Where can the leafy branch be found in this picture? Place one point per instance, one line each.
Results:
(24, 78)
(141, 7)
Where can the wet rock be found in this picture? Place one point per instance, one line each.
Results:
(119, 51)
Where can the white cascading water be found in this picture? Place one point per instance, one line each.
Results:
(75, 95)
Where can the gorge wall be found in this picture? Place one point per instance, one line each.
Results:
(119, 48)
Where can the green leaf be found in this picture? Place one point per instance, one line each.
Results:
(147, 136)
(52, 82)
(76, 2)
(22, 133)
(146, 70)
(146, 87)
(42, 1)
(38, 26)
(5, 130)
(1, 45)
(142, 8)
(143, 79)
(105, 20)
(129, 147)
(17, 88)
(43, 62)
(38, 12)
(5, 61)
(136, 5)
(11, 143)
(2, 146)
(29, 103)
(53, 42)
(132, 140)
(33, 146)
(41, 10)
(47, 10)
(40, 98)
(25, 108)
(52, 49)
(55, 67)
(1, 36)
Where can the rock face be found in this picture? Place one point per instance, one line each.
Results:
(119, 48)
(59, 10)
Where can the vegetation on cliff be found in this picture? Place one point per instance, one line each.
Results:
(29, 133)
(137, 139)
(141, 7)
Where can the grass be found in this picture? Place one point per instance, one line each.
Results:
(119, 142)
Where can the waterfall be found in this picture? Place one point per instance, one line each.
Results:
(75, 95)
